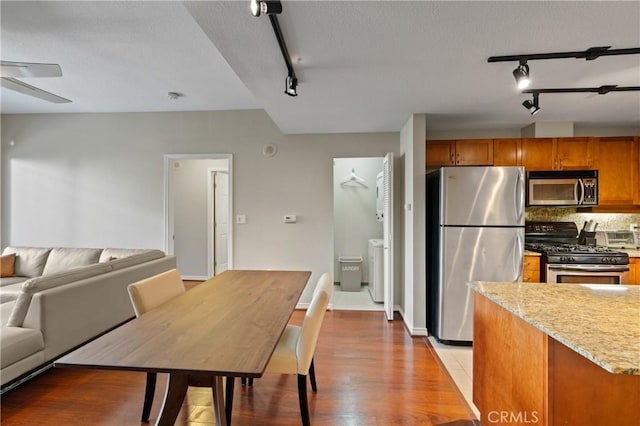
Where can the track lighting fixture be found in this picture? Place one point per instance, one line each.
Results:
(272, 8)
(290, 84)
(521, 74)
(590, 54)
(533, 107)
(266, 7)
(602, 90)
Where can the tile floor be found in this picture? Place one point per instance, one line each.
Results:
(354, 300)
(458, 360)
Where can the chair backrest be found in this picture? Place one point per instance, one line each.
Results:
(312, 322)
(154, 291)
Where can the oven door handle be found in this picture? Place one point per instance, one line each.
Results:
(596, 268)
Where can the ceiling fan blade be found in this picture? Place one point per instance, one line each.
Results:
(29, 69)
(19, 86)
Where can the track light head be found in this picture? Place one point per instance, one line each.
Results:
(521, 74)
(533, 107)
(290, 85)
(265, 6)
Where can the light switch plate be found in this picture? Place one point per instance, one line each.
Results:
(241, 219)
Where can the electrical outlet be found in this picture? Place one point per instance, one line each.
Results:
(241, 219)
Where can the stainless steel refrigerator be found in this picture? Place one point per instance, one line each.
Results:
(475, 232)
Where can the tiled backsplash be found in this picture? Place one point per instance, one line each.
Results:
(606, 221)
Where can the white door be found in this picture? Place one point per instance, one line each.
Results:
(387, 233)
(220, 222)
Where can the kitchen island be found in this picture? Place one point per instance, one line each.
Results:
(560, 354)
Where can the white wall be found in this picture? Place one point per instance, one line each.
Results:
(355, 210)
(189, 182)
(96, 180)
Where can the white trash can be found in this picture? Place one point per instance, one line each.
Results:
(350, 272)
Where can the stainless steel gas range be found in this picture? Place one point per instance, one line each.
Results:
(563, 260)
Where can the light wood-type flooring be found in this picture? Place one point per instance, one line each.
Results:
(369, 372)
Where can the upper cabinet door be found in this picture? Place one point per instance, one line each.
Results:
(507, 152)
(538, 153)
(440, 153)
(574, 153)
(474, 152)
(617, 164)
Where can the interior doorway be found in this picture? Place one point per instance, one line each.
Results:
(198, 205)
(362, 201)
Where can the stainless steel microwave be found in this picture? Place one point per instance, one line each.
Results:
(562, 188)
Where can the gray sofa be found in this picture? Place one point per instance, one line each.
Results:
(59, 298)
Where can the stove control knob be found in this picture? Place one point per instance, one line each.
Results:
(563, 259)
(573, 259)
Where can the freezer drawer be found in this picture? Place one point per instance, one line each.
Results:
(473, 254)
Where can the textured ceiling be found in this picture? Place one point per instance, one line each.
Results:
(362, 66)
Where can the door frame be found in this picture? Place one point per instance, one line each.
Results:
(388, 307)
(168, 202)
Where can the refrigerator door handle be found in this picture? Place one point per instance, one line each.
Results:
(518, 254)
(520, 182)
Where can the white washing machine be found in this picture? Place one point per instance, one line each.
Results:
(376, 270)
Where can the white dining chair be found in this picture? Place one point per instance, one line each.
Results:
(146, 295)
(296, 347)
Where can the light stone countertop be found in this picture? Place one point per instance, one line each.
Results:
(601, 325)
(630, 252)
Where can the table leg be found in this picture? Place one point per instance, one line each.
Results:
(218, 401)
(228, 398)
(173, 398)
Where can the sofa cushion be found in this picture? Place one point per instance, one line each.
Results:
(7, 264)
(30, 261)
(5, 311)
(110, 254)
(18, 343)
(63, 259)
(11, 281)
(10, 292)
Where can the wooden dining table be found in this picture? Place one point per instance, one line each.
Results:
(228, 326)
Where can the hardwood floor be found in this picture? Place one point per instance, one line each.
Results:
(369, 372)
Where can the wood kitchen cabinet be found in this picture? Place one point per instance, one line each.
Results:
(462, 152)
(634, 271)
(558, 153)
(617, 163)
(507, 152)
(531, 269)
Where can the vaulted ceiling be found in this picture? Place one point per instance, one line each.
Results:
(362, 66)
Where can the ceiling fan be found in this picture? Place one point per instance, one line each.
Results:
(9, 71)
